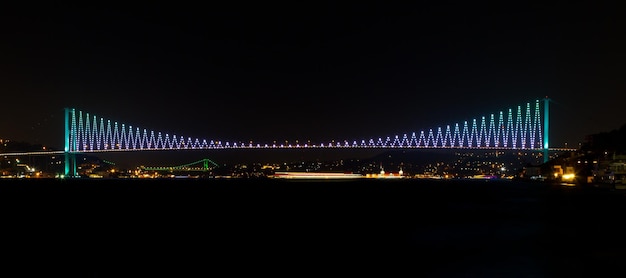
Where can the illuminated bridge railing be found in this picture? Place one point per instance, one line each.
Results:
(518, 128)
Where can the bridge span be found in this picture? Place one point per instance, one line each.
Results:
(525, 127)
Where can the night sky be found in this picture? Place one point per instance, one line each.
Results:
(318, 71)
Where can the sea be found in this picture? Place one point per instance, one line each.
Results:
(385, 228)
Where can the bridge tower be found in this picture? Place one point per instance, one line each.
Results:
(546, 122)
(70, 157)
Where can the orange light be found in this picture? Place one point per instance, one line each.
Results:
(569, 176)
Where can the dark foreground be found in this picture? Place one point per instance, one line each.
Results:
(199, 228)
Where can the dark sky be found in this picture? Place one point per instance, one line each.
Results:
(320, 71)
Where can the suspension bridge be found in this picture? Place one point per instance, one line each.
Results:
(206, 166)
(525, 127)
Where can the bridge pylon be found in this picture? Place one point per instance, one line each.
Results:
(546, 123)
(70, 157)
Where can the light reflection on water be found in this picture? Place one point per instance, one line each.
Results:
(568, 184)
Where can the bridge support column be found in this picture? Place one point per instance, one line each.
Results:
(70, 165)
(70, 158)
(546, 128)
